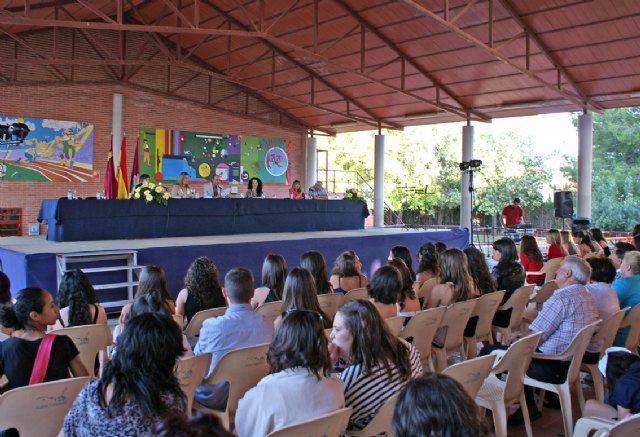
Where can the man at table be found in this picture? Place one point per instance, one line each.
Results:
(317, 191)
(144, 180)
(512, 214)
(214, 190)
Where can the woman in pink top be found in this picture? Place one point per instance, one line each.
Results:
(531, 258)
(295, 192)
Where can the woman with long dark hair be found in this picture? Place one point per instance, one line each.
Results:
(347, 273)
(584, 243)
(254, 189)
(202, 289)
(428, 261)
(78, 301)
(531, 258)
(408, 304)
(300, 294)
(138, 385)
(456, 284)
(33, 311)
(378, 363)
(385, 290)
(314, 262)
(152, 278)
(274, 274)
(600, 242)
(404, 254)
(299, 386)
(508, 273)
(479, 271)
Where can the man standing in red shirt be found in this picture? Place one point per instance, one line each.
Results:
(512, 214)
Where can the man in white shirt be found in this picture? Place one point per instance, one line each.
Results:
(214, 190)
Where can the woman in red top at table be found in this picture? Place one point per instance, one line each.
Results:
(295, 192)
(554, 245)
(531, 258)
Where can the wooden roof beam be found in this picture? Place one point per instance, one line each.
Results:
(575, 99)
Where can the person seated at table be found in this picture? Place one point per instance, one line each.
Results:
(33, 311)
(299, 385)
(213, 189)
(408, 304)
(531, 258)
(295, 192)
(300, 294)
(181, 189)
(254, 189)
(274, 274)
(404, 254)
(437, 405)
(138, 385)
(378, 363)
(144, 180)
(317, 191)
(428, 259)
(314, 262)
(202, 289)
(554, 245)
(78, 301)
(346, 273)
(152, 278)
(384, 290)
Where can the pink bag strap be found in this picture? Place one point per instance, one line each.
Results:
(42, 359)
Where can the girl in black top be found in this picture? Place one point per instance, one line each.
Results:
(508, 273)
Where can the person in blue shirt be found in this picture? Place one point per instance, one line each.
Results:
(239, 327)
(627, 288)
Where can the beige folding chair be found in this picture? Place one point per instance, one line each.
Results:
(39, 409)
(395, 324)
(190, 372)
(454, 321)
(355, 294)
(332, 424)
(90, 340)
(195, 324)
(608, 427)
(422, 327)
(535, 302)
(243, 368)
(329, 303)
(517, 302)
(574, 352)
(604, 338)
(485, 310)
(497, 394)
(270, 310)
(632, 320)
(471, 373)
(425, 290)
(549, 269)
(381, 423)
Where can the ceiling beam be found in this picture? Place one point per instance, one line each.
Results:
(382, 37)
(506, 4)
(572, 97)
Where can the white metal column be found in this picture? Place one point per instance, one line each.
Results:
(585, 165)
(116, 129)
(312, 164)
(465, 196)
(378, 183)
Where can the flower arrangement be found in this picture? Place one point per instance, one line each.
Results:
(150, 192)
(352, 194)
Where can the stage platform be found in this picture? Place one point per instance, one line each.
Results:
(31, 261)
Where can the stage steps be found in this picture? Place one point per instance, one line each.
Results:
(64, 262)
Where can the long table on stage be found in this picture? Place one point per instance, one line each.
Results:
(92, 219)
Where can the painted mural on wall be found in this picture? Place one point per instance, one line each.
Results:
(37, 149)
(165, 153)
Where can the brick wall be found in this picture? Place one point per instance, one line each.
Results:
(142, 108)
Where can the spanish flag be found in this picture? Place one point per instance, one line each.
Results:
(123, 189)
(110, 189)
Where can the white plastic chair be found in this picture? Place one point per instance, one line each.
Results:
(90, 340)
(421, 328)
(381, 423)
(190, 372)
(329, 303)
(332, 424)
(195, 324)
(607, 427)
(455, 320)
(471, 373)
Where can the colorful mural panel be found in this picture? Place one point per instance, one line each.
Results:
(165, 153)
(36, 149)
